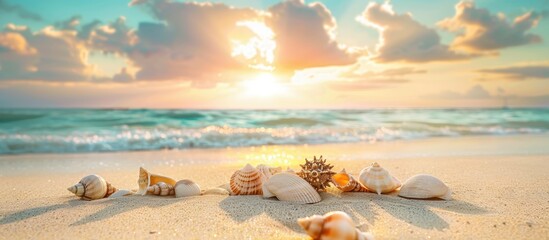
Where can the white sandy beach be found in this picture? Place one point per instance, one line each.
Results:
(500, 189)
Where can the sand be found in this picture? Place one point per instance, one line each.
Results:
(500, 188)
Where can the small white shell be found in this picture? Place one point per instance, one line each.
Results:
(186, 188)
(332, 226)
(247, 181)
(292, 188)
(161, 189)
(92, 187)
(268, 171)
(347, 183)
(378, 179)
(147, 179)
(425, 186)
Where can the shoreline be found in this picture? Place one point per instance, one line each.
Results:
(499, 188)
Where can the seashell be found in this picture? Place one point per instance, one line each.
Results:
(186, 188)
(332, 226)
(292, 188)
(347, 183)
(147, 179)
(247, 181)
(215, 191)
(425, 186)
(161, 189)
(92, 187)
(317, 173)
(377, 179)
(268, 171)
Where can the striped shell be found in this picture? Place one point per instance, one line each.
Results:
(290, 187)
(332, 226)
(377, 179)
(186, 188)
(92, 187)
(247, 181)
(161, 189)
(347, 183)
(147, 179)
(268, 171)
(425, 186)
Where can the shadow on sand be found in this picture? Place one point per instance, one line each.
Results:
(420, 213)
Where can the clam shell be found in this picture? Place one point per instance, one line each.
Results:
(161, 189)
(147, 179)
(425, 186)
(247, 181)
(332, 226)
(347, 183)
(292, 188)
(92, 187)
(186, 188)
(268, 171)
(378, 179)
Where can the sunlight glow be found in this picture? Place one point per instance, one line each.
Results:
(258, 50)
(264, 85)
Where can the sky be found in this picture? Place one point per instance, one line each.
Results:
(264, 54)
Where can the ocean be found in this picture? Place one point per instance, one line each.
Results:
(105, 130)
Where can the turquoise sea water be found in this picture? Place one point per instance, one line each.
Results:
(85, 130)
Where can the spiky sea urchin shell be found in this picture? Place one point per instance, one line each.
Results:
(317, 173)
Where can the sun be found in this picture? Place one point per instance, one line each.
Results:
(264, 85)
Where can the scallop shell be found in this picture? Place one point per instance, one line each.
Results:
(268, 171)
(425, 186)
(332, 226)
(347, 183)
(186, 188)
(292, 188)
(378, 179)
(92, 187)
(247, 181)
(161, 189)
(147, 179)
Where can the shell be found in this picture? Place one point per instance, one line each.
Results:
(425, 186)
(268, 171)
(347, 183)
(215, 191)
(92, 187)
(292, 188)
(186, 188)
(147, 179)
(247, 181)
(377, 179)
(161, 189)
(317, 173)
(332, 226)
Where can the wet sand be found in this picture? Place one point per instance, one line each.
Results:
(500, 190)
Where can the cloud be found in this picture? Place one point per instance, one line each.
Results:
(50, 54)
(478, 30)
(20, 11)
(475, 92)
(539, 71)
(404, 39)
(305, 36)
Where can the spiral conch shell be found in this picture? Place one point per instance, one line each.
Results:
(290, 187)
(92, 187)
(268, 171)
(347, 183)
(332, 226)
(161, 189)
(247, 181)
(425, 186)
(377, 179)
(147, 179)
(186, 188)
